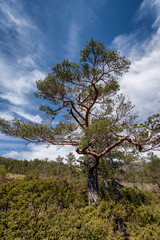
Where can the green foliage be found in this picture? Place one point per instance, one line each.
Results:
(28, 206)
(133, 196)
(71, 161)
(111, 87)
(66, 71)
(3, 171)
(128, 167)
(63, 128)
(59, 164)
(149, 130)
(97, 130)
(95, 54)
(153, 168)
(41, 168)
(26, 130)
(55, 209)
(70, 83)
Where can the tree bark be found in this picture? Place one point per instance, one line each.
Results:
(92, 181)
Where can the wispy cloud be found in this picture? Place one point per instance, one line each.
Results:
(79, 22)
(13, 17)
(73, 41)
(18, 66)
(150, 7)
(17, 29)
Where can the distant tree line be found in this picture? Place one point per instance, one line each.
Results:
(128, 169)
(60, 167)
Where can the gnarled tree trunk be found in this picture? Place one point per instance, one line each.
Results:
(92, 183)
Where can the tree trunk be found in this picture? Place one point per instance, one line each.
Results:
(92, 183)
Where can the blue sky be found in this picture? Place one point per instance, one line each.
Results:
(36, 34)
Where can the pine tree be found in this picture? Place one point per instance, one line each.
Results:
(94, 117)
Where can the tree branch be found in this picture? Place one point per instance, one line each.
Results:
(73, 115)
(91, 105)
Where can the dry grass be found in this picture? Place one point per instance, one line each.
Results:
(15, 176)
(142, 186)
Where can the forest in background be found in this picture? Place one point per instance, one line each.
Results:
(131, 170)
(43, 199)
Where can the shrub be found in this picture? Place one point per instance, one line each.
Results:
(56, 209)
(3, 171)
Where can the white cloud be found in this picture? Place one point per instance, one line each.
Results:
(142, 83)
(15, 88)
(12, 154)
(6, 115)
(15, 85)
(41, 151)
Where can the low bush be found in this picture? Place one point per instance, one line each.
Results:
(56, 209)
